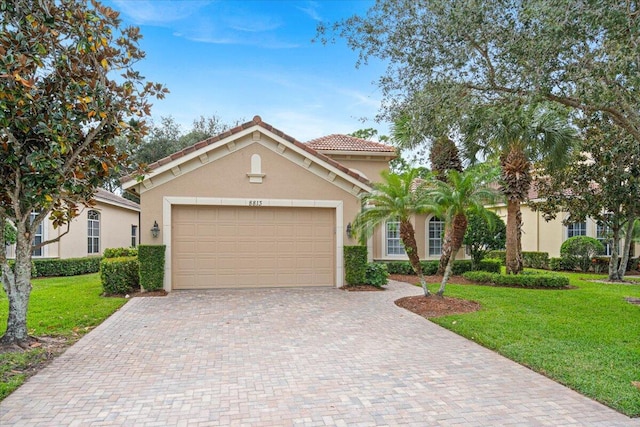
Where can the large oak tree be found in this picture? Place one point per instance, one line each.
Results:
(67, 88)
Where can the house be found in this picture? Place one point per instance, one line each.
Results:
(255, 207)
(113, 222)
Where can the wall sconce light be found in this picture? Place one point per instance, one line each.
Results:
(155, 229)
(349, 235)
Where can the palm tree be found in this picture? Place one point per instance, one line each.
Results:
(397, 197)
(452, 199)
(517, 138)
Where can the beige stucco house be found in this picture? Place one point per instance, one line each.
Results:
(255, 207)
(112, 223)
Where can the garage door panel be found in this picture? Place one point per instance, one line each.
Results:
(224, 246)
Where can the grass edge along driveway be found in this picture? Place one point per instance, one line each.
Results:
(587, 338)
(63, 308)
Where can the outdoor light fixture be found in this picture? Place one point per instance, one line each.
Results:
(155, 229)
(349, 230)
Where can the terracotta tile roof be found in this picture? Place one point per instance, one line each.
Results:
(337, 142)
(257, 121)
(106, 196)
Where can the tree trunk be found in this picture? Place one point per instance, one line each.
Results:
(514, 237)
(17, 285)
(446, 250)
(614, 260)
(408, 236)
(628, 237)
(458, 228)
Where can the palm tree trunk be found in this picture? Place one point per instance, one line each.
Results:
(407, 235)
(458, 228)
(514, 237)
(446, 250)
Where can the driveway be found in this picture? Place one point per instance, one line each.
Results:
(281, 357)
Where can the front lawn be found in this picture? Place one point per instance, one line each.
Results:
(587, 338)
(62, 307)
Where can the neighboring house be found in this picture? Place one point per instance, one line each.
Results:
(253, 207)
(113, 222)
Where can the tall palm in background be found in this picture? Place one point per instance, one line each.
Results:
(453, 199)
(398, 197)
(517, 138)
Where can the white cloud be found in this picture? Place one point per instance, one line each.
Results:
(311, 10)
(149, 12)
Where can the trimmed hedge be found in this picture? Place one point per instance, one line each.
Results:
(119, 276)
(34, 269)
(430, 268)
(376, 274)
(532, 280)
(66, 267)
(151, 271)
(119, 252)
(355, 264)
(529, 259)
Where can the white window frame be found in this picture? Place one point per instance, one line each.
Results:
(601, 235)
(38, 237)
(393, 242)
(434, 244)
(572, 228)
(93, 232)
(134, 235)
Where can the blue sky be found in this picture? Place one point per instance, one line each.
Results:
(237, 59)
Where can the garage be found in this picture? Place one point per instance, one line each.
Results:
(252, 246)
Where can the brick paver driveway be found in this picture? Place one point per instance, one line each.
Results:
(288, 357)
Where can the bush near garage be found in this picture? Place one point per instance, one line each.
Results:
(376, 274)
(151, 270)
(355, 264)
(430, 268)
(119, 276)
(119, 252)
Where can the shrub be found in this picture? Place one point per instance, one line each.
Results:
(377, 274)
(484, 234)
(531, 280)
(490, 265)
(501, 255)
(399, 267)
(34, 268)
(66, 267)
(151, 258)
(581, 250)
(632, 264)
(535, 260)
(355, 264)
(119, 252)
(119, 275)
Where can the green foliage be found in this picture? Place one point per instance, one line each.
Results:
(535, 259)
(580, 250)
(430, 268)
(544, 280)
(119, 276)
(120, 252)
(501, 255)
(484, 234)
(355, 264)
(563, 264)
(34, 269)
(376, 274)
(65, 267)
(9, 233)
(151, 258)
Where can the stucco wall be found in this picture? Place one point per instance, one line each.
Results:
(372, 168)
(226, 177)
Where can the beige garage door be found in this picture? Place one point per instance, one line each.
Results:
(243, 247)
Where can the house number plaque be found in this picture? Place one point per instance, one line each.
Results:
(255, 202)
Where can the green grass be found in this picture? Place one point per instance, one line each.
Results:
(65, 307)
(587, 338)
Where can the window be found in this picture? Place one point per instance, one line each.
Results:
(134, 236)
(394, 244)
(93, 232)
(603, 233)
(577, 229)
(436, 228)
(38, 237)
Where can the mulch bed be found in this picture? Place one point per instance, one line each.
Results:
(435, 306)
(160, 293)
(361, 288)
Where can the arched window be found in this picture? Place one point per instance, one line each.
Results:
(93, 232)
(392, 238)
(434, 237)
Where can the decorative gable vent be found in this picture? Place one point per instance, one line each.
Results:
(256, 175)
